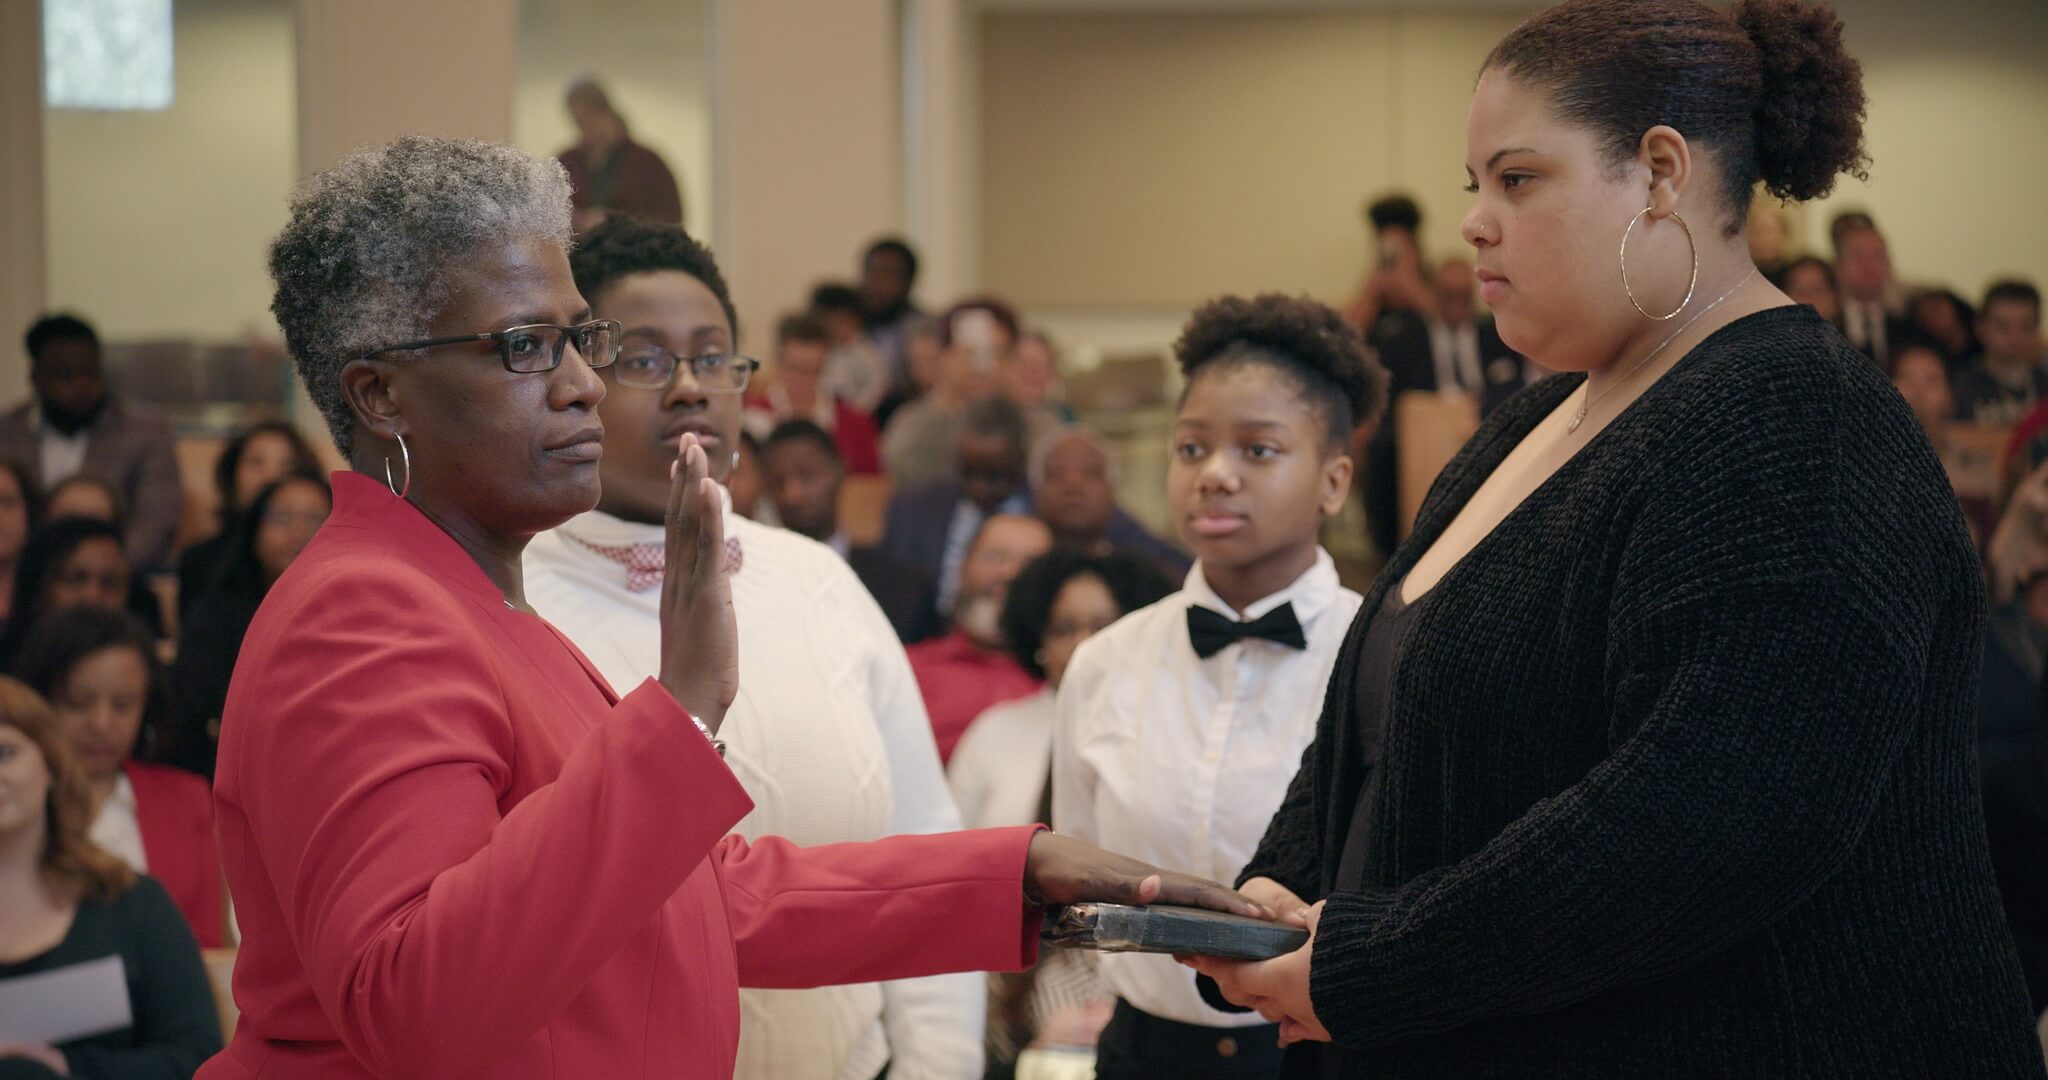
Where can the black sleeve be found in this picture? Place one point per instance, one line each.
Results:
(1746, 657)
(176, 1027)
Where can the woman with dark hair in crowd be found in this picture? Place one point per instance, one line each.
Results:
(1000, 775)
(64, 902)
(280, 521)
(89, 497)
(19, 512)
(99, 672)
(1671, 692)
(1810, 280)
(257, 457)
(67, 562)
(1948, 321)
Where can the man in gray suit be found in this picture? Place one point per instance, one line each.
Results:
(73, 425)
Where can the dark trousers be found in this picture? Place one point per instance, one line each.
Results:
(1140, 1046)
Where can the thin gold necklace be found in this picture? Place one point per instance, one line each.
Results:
(1586, 406)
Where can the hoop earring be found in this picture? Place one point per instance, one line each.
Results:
(1689, 286)
(406, 456)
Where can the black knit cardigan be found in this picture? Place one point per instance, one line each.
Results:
(1680, 767)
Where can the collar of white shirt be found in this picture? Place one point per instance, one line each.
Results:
(1311, 593)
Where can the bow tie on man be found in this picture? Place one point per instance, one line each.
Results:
(1211, 632)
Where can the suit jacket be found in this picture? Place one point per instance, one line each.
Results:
(914, 531)
(906, 596)
(174, 811)
(455, 851)
(130, 450)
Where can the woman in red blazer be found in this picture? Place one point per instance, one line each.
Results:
(455, 850)
(98, 669)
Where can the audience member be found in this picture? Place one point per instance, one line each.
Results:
(75, 426)
(110, 698)
(609, 173)
(67, 562)
(1767, 233)
(67, 903)
(803, 474)
(966, 671)
(745, 483)
(86, 497)
(1001, 775)
(802, 348)
(1396, 296)
(888, 280)
(855, 369)
(94, 499)
(1238, 658)
(921, 356)
(1873, 310)
(2007, 380)
(280, 522)
(828, 734)
(1073, 490)
(931, 526)
(20, 508)
(1810, 280)
(1942, 318)
(976, 338)
(1031, 380)
(2013, 720)
(257, 457)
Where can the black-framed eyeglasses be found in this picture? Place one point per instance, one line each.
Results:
(651, 367)
(535, 347)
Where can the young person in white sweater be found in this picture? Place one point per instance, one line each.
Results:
(828, 734)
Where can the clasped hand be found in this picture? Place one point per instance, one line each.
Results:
(1277, 989)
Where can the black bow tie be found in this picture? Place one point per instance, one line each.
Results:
(1210, 632)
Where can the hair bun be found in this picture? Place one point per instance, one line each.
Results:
(1809, 116)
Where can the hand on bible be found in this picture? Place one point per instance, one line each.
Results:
(1276, 989)
(1062, 870)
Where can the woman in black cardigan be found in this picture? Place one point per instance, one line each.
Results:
(1650, 753)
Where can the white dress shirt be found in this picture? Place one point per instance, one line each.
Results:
(1455, 351)
(117, 830)
(60, 456)
(1181, 761)
(828, 735)
(998, 769)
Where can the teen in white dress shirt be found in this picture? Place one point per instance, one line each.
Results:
(1182, 756)
(828, 734)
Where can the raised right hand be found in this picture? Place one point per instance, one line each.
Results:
(700, 652)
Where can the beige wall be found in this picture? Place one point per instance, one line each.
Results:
(654, 57)
(1154, 159)
(1146, 160)
(806, 146)
(156, 221)
(23, 280)
(1958, 91)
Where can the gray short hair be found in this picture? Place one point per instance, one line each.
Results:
(360, 264)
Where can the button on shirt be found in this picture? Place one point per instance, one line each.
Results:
(1181, 761)
(829, 737)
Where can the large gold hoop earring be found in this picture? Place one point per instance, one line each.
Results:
(1689, 286)
(406, 458)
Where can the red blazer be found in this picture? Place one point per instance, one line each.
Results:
(456, 853)
(174, 810)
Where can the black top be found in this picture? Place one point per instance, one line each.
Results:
(1679, 776)
(1386, 633)
(176, 1026)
